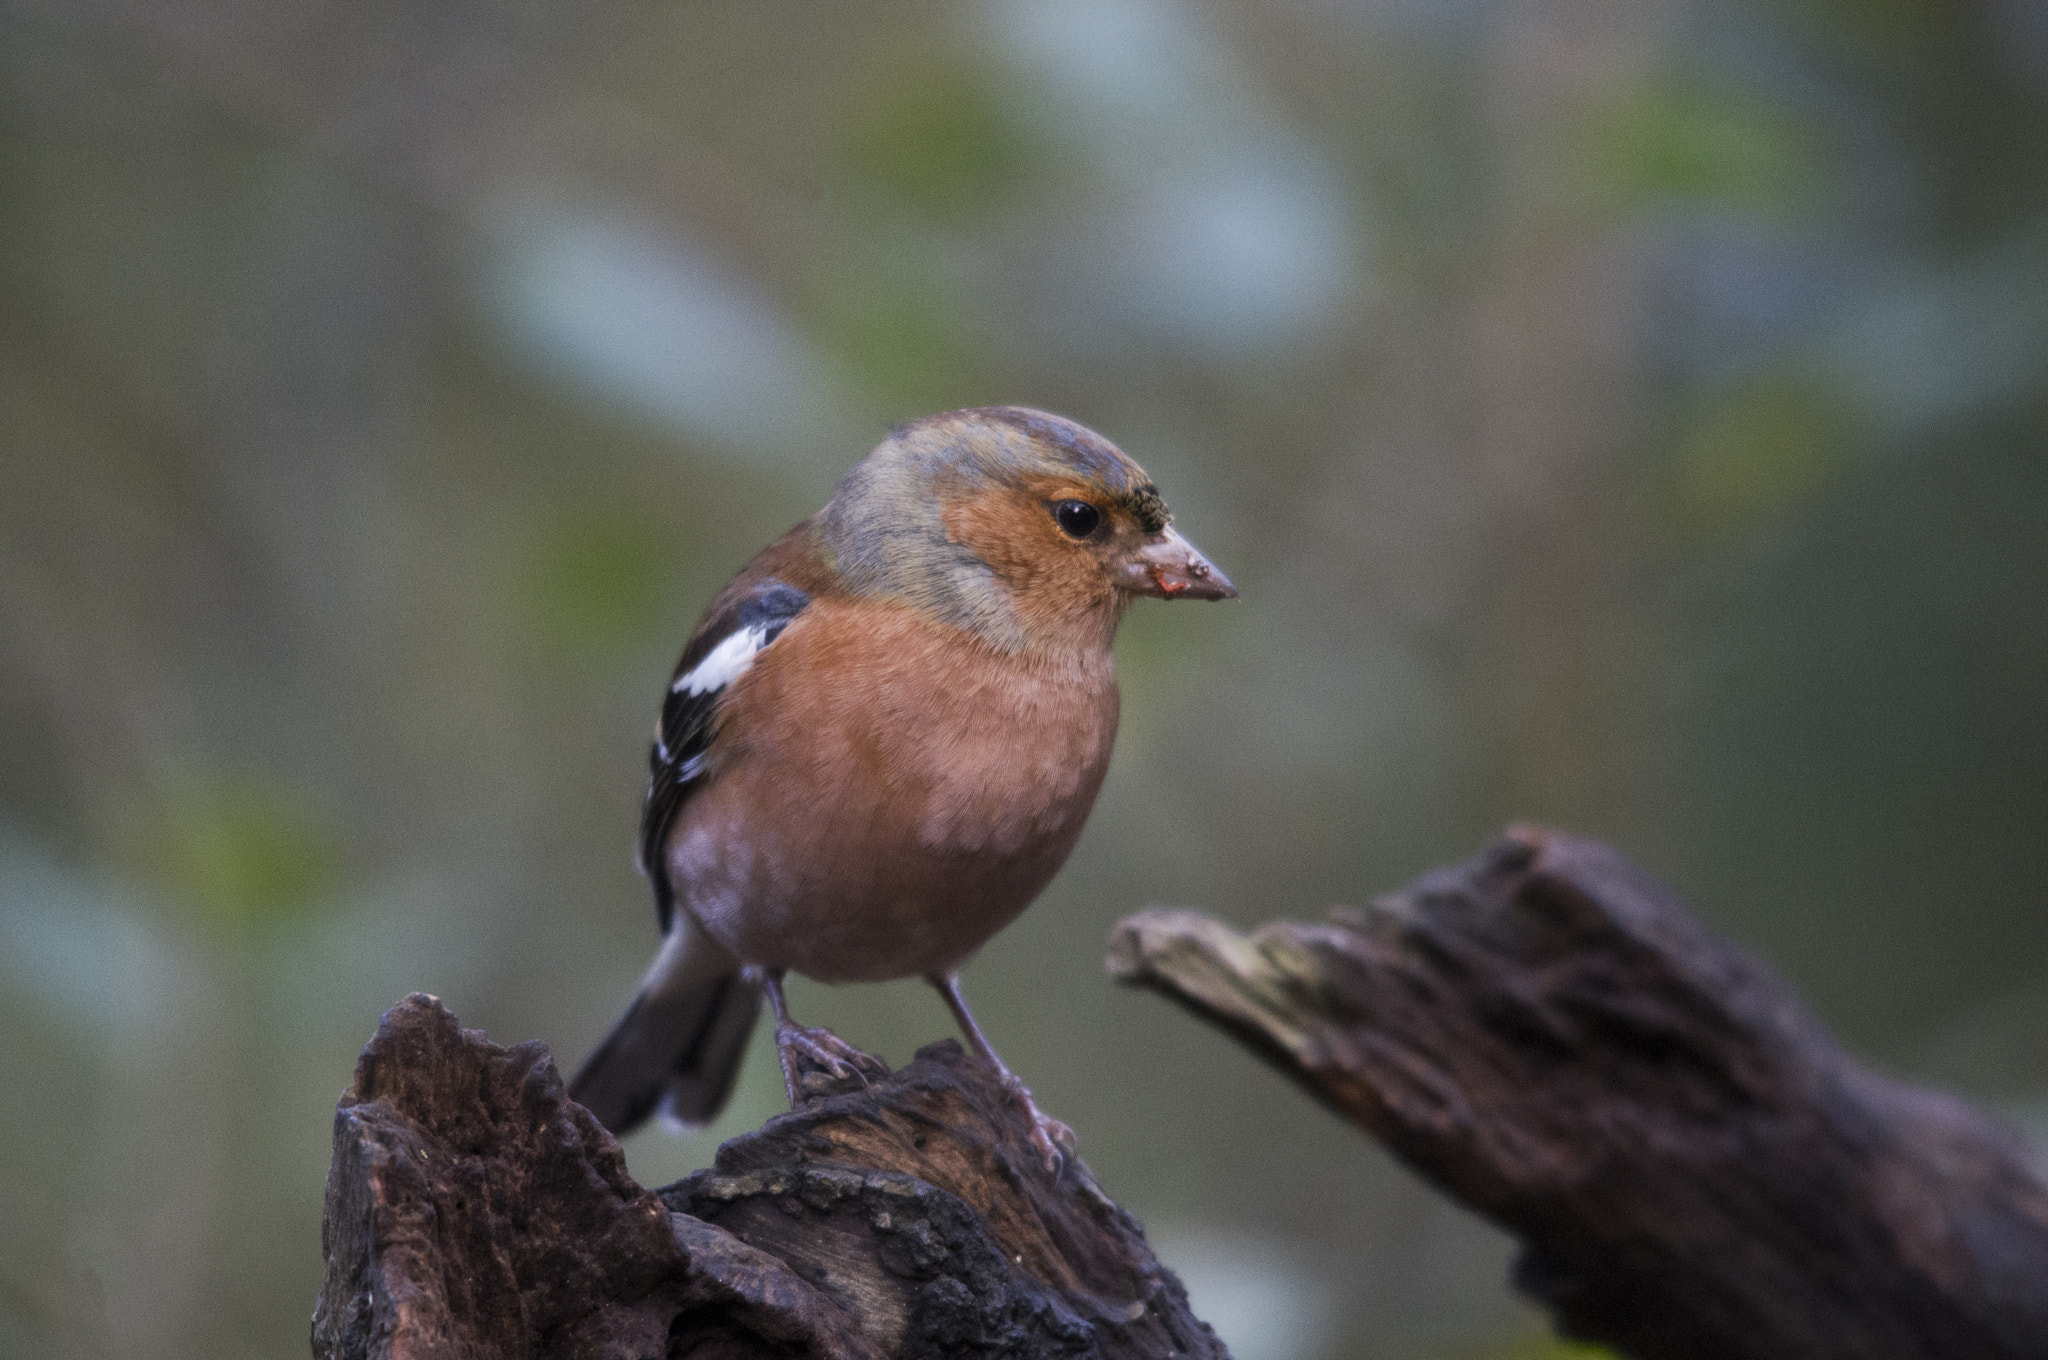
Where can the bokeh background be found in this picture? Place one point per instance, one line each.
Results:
(1625, 414)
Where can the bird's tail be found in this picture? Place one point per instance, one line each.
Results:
(678, 1046)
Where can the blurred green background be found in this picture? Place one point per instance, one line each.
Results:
(1625, 414)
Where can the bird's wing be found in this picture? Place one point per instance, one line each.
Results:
(725, 646)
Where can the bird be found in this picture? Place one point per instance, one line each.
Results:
(881, 743)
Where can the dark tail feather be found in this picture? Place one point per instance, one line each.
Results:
(701, 1081)
(678, 1046)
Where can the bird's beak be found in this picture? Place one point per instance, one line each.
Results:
(1173, 569)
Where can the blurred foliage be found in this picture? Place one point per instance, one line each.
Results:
(898, 334)
(245, 851)
(1531, 1342)
(1551, 1348)
(1762, 446)
(1622, 415)
(1536, 1346)
(1885, 29)
(594, 579)
(927, 135)
(1682, 142)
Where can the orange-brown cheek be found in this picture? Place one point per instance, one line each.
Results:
(1048, 574)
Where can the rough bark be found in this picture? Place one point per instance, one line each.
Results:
(473, 1210)
(1694, 1167)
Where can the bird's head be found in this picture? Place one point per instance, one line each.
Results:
(1025, 527)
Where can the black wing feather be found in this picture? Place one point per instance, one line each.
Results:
(690, 721)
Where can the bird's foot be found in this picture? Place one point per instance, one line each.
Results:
(1053, 1141)
(817, 1062)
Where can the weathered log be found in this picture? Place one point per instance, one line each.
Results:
(1695, 1169)
(474, 1210)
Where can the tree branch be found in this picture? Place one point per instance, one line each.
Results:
(474, 1210)
(1695, 1169)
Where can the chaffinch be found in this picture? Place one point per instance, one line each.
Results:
(882, 741)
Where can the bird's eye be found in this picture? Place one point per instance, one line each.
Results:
(1077, 519)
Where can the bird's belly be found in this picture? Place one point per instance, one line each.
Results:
(859, 893)
(857, 906)
(858, 854)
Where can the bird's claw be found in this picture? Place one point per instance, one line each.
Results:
(829, 1055)
(1053, 1141)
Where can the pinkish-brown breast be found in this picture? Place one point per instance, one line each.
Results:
(888, 793)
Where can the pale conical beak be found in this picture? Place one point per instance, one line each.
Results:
(1172, 568)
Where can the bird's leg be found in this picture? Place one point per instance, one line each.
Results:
(1053, 1140)
(822, 1047)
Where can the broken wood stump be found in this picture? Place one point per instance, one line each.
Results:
(1695, 1169)
(474, 1210)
